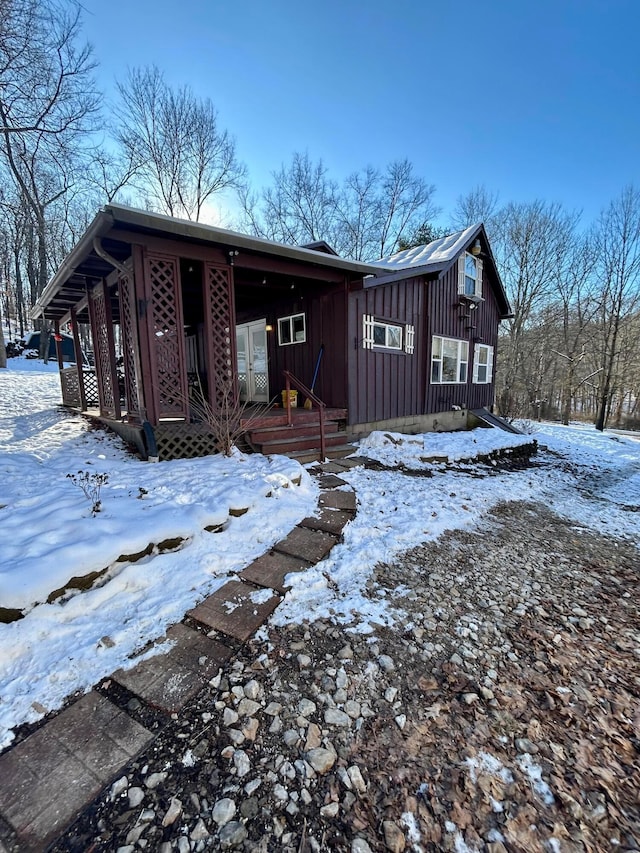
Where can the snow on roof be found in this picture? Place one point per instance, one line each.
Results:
(437, 252)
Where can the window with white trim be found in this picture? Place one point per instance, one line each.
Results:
(380, 334)
(292, 330)
(449, 361)
(469, 275)
(482, 364)
(387, 335)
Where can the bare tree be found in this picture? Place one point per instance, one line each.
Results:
(478, 205)
(619, 270)
(44, 86)
(299, 207)
(364, 218)
(47, 97)
(174, 144)
(530, 238)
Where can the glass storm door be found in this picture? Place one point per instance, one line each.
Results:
(253, 375)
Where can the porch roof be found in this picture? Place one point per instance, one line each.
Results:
(87, 259)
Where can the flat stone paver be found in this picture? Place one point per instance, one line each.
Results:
(330, 481)
(329, 520)
(310, 545)
(347, 463)
(339, 499)
(168, 681)
(270, 570)
(233, 611)
(46, 780)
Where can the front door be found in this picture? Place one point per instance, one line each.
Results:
(253, 375)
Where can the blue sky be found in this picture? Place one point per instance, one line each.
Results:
(532, 99)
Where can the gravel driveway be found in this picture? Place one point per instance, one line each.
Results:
(503, 715)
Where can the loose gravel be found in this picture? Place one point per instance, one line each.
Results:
(500, 713)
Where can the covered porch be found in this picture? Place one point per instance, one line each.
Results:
(184, 316)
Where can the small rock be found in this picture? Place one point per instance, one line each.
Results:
(304, 661)
(390, 694)
(401, 720)
(136, 796)
(154, 779)
(252, 786)
(241, 762)
(247, 707)
(523, 744)
(359, 845)
(291, 737)
(280, 793)
(249, 808)
(229, 717)
(352, 708)
(322, 760)
(250, 730)
(232, 835)
(173, 812)
(199, 831)
(273, 709)
(306, 707)
(336, 717)
(183, 844)
(393, 837)
(118, 787)
(470, 698)
(314, 737)
(223, 811)
(346, 653)
(356, 779)
(386, 663)
(330, 810)
(252, 689)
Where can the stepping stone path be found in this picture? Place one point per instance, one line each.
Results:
(52, 775)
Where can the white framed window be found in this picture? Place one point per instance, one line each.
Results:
(387, 335)
(292, 330)
(449, 361)
(380, 334)
(469, 275)
(482, 364)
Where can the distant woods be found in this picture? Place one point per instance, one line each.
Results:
(572, 348)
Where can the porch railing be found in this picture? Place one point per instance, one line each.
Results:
(290, 380)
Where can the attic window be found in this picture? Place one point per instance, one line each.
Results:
(469, 276)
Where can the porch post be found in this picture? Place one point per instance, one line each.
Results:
(79, 363)
(142, 299)
(220, 328)
(56, 338)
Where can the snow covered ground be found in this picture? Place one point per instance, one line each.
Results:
(49, 533)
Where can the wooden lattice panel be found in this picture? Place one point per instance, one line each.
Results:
(128, 329)
(70, 387)
(221, 332)
(166, 336)
(102, 354)
(90, 388)
(184, 441)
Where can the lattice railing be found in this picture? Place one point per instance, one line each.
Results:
(70, 387)
(218, 285)
(128, 331)
(184, 441)
(166, 336)
(91, 389)
(102, 354)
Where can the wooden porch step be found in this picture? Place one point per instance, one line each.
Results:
(339, 452)
(287, 446)
(296, 430)
(299, 415)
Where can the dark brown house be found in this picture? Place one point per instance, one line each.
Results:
(179, 310)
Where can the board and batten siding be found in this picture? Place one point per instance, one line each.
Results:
(325, 321)
(446, 319)
(385, 384)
